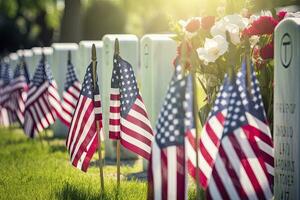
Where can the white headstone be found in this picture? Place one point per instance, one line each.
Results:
(28, 54)
(157, 54)
(59, 70)
(85, 48)
(13, 60)
(287, 110)
(37, 54)
(129, 52)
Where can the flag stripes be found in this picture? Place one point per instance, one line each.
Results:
(70, 95)
(43, 102)
(83, 139)
(128, 119)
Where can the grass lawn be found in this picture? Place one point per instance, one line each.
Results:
(30, 170)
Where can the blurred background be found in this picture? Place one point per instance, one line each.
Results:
(29, 23)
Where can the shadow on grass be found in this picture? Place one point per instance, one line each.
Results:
(139, 176)
(55, 148)
(73, 192)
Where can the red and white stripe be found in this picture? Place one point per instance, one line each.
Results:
(168, 178)
(238, 166)
(18, 97)
(41, 108)
(134, 130)
(70, 99)
(83, 139)
(114, 114)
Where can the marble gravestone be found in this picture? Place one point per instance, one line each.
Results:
(85, 48)
(129, 52)
(28, 54)
(37, 54)
(157, 52)
(59, 70)
(13, 60)
(287, 110)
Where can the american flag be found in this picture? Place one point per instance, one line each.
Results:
(83, 138)
(43, 102)
(168, 165)
(70, 95)
(236, 150)
(19, 89)
(128, 118)
(7, 116)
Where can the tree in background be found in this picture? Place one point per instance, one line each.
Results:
(103, 17)
(27, 23)
(70, 29)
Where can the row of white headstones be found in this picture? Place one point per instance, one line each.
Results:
(152, 57)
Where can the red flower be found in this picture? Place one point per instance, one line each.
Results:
(267, 52)
(281, 15)
(207, 22)
(261, 26)
(193, 25)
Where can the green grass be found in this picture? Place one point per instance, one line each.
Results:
(30, 170)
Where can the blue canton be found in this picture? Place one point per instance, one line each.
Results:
(22, 70)
(6, 74)
(253, 102)
(235, 116)
(71, 76)
(176, 114)
(123, 78)
(222, 97)
(88, 85)
(42, 73)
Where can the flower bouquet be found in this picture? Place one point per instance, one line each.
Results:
(210, 47)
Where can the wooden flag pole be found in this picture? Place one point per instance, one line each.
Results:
(94, 60)
(117, 51)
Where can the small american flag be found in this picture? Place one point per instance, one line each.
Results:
(236, 159)
(7, 116)
(128, 119)
(168, 165)
(70, 95)
(83, 139)
(43, 102)
(19, 89)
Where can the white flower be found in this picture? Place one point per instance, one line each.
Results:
(238, 20)
(266, 13)
(234, 33)
(213, 49)
(231, 23)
